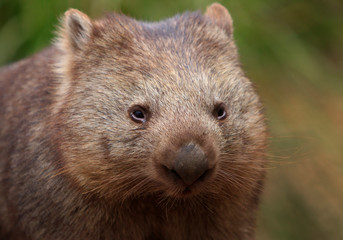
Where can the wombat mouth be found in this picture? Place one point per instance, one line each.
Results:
(187, 191)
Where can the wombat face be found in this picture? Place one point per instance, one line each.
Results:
(157, 108)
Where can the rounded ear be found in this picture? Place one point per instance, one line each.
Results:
(77, 28)
(73, 35)
(219, 15)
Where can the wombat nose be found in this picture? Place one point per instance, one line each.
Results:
(190, 163)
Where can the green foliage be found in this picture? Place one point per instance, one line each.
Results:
(293, 51)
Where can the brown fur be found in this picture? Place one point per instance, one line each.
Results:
(75, 166)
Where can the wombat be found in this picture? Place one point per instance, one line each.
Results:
(132, 130)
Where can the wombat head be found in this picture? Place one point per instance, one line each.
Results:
(157, 108)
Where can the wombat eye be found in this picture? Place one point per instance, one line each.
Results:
(138, 114)
(220, 111)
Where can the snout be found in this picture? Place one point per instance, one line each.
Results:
(189, 165)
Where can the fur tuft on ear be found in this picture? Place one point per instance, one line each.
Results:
(219, 15)
(77, 29)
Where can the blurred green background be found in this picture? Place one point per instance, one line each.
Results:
(292, 50)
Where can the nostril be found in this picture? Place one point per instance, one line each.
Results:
(173, 172)
(204, 175)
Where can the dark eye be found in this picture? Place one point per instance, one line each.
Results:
(138, 114)
(220, 112)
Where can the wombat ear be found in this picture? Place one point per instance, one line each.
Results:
(220, 16)
(77, 28)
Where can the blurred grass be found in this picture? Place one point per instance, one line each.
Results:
(293, 51)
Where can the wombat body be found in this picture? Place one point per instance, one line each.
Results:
(131, 130)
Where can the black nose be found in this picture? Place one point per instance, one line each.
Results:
(190, 163)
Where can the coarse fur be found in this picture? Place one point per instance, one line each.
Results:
(73, 163)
